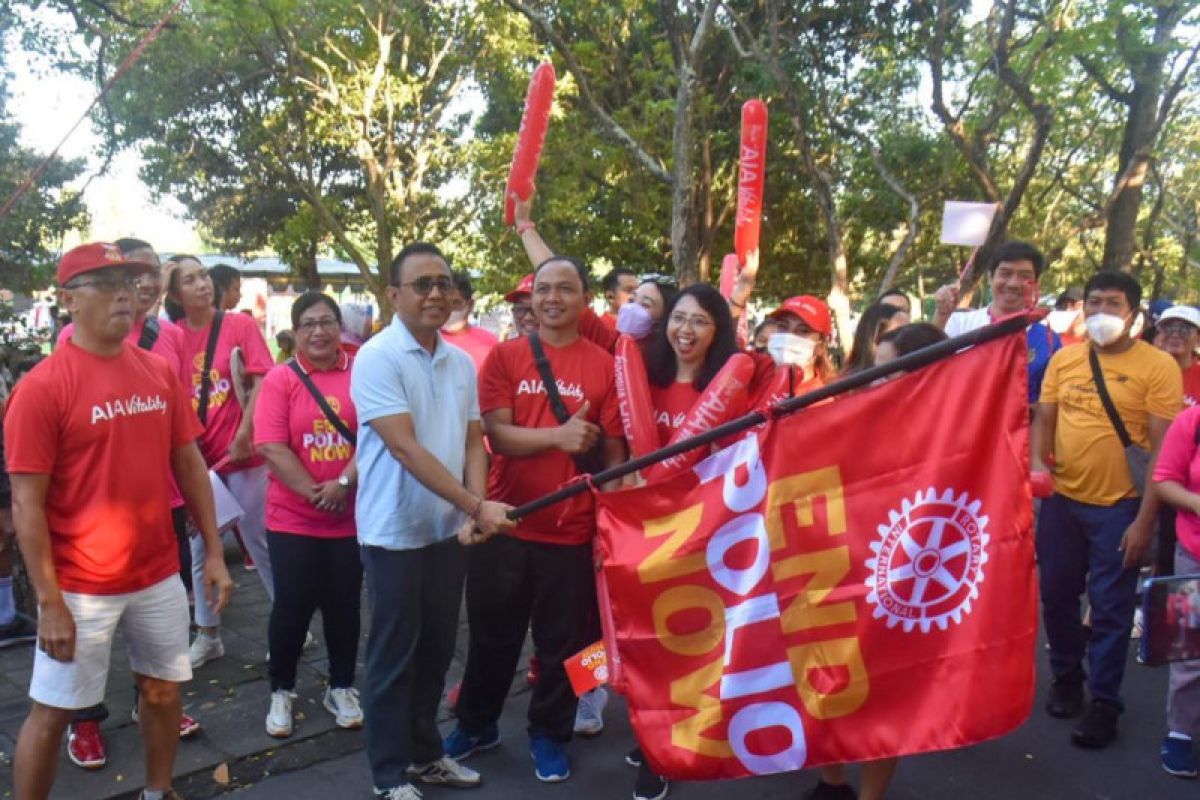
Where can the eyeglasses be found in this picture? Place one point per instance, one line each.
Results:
(328, 323)
(668, 281)
(1176, 328)
(107, 284)
(521, 311)
(696, 323)
(424, 286)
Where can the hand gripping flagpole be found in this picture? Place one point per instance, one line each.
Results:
(913, 361)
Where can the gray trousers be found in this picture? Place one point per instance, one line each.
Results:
(414, 597)
(1183, 693)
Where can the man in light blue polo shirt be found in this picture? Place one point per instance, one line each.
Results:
(422, 482)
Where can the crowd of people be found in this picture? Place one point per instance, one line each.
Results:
(394, 461)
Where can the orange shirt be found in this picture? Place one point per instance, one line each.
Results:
(103, 429)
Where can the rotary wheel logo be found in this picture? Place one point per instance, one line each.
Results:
(928, 561)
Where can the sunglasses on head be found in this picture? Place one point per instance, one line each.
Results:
(669, 281)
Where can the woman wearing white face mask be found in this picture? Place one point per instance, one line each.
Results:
(801, 341)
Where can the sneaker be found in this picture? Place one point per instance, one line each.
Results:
(405, 792)
(22, 630)
(187, 725)
(460, 744)
(279, 718)
(1178, 758)
(550, 763)
(635, 757)
(589, 715)
(1098, 727)
(445, 772)
(1066, 699)
(831, 791)
(650, 786)
(85, 745)
(1138, 624)
(343, 704)
(205, 648)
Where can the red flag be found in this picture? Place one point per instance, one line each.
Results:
(853, 582)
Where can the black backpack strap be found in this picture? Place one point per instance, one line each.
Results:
(1106, 401)
(331, 415)
(149, 333)
(543, 367)
(210, 352)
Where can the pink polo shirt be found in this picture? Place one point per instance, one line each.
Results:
(287, 413)
(1178, 462)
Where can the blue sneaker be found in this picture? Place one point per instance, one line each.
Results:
(550, 763)
(460, 744)
(1178, 758)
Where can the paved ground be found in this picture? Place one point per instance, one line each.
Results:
(234, 755)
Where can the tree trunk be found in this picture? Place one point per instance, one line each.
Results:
(1120, 226)
(684, 239)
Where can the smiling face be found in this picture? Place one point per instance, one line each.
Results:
(318, 333)
(1014, 286)
(690, 330)
(423, 297)
(191, 286)
(558, 296)
(524, 319)
(101, 302)
(1178, 337)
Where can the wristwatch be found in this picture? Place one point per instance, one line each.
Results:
(344, 481)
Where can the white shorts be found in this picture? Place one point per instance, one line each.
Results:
(154, 622)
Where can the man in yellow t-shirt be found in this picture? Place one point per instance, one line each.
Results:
(1095, 530)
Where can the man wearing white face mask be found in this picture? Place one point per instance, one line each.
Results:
(458, 329)
(1100, 400)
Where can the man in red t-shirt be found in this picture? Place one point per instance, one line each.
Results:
(93, 435)
(521, 298)
(458, 330)
(619, 285)
(540, 575)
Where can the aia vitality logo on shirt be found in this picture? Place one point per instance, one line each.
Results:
(129, 407)
(538, 387)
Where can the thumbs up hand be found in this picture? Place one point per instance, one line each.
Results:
(577, 435)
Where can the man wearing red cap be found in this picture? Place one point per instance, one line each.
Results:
(93, 435)
(521, 298)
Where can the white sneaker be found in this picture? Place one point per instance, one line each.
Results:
(445, 772)
(589, 716)
(279, 718)
(205, 648)
(405, 792)
(343, 704)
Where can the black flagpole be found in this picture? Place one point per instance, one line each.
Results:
(915, 360)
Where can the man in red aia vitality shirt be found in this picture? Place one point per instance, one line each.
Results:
(93, 435)
(540, 574)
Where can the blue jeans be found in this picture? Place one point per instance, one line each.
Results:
(1078, 549)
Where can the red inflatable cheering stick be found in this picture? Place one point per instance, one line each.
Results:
(534, 122)
(752, 170)
(633, 397)
(725, 397)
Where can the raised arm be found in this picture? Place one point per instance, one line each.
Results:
(535, 247)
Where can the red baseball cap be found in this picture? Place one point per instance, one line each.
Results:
(524, 287)
(93, 256)
(814, 312)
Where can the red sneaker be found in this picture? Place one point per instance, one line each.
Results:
(187, 726)
(85, 745)
(531, 677)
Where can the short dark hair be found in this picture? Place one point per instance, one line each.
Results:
(580, 269)
(396, 269)
(462, 283)
(285, 338)
(128, 245)
(309, 299)
(1121, 281)
(894, 291)
(912, 337)
(613, 278)
(1015, 250)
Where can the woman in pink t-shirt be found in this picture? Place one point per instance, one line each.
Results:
(1177, 480)
(310, 510)
(227, 412)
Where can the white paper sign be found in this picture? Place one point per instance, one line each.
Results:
(229, 513)
(966, 223)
